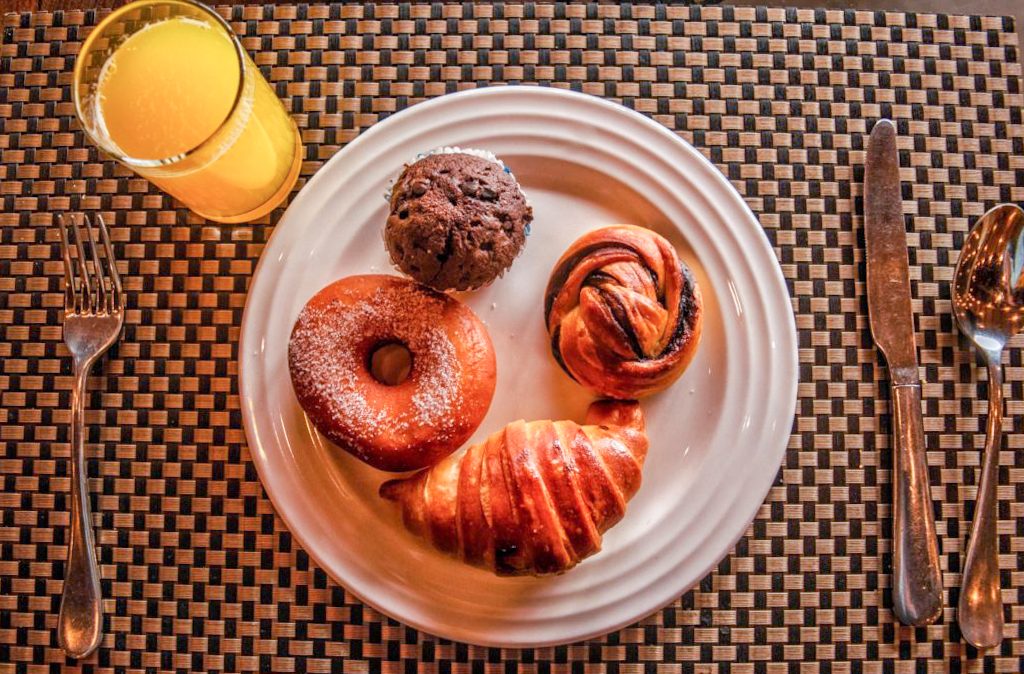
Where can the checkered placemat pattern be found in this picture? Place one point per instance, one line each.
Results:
(199, 573)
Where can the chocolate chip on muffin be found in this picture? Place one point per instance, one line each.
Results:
(457, 220)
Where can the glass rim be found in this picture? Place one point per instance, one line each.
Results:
(107, 147)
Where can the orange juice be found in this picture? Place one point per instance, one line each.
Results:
(154, 100)
(181, 103)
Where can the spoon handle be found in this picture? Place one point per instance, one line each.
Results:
(980, 613)
(917, 577)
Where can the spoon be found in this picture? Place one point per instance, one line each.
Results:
(988, 300)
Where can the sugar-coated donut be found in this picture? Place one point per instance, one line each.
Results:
(412, 424)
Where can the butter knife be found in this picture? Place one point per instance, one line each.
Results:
(916, 575)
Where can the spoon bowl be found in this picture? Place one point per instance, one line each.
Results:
(988, 301)
(988, 287)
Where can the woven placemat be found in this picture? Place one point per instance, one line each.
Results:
(200, 574)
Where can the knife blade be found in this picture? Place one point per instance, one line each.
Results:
(888, 277)
(917, 579)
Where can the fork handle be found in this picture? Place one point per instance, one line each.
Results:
(81, 613)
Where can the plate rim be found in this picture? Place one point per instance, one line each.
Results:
(762, 246)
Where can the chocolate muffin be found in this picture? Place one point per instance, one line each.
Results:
(457, 220)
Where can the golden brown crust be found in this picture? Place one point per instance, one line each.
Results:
(535, 497)
(417, 422)
(623, 312)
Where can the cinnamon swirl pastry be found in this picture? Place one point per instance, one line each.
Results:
(624, 313)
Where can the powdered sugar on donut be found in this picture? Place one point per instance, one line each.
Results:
(438, 396)
(325, 366)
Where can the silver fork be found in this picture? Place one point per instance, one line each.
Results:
(93, 317)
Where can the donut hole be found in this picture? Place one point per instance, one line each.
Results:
(390, 363)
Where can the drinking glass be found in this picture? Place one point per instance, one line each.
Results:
(166, 88)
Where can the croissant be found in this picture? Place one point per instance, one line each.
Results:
(535, 497)
(623, 312)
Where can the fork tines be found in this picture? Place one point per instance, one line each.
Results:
(97, 290)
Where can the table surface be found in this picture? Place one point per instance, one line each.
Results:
(200, 574)
(1014, 8)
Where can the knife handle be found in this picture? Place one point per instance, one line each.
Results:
(917, 577)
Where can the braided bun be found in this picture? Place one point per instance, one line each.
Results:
(623, 312)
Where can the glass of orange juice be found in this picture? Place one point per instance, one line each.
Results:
(166, 88)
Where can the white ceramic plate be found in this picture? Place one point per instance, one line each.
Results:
(717, 436)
